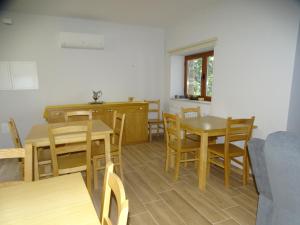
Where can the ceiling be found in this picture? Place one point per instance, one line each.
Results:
(157, 13)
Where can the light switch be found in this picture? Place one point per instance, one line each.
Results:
(4, 128)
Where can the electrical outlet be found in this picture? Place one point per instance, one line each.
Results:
(4, 128)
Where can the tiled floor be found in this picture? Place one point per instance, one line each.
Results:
(155, 198)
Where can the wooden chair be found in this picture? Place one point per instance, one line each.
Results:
(194, 112)
(154, 123)
(237, 130)
(14, 133)
(191, 113)
(42, 156)
(177, 146)
(78, 115)
(17, 153)
(112, 183)
(98, 152)
(73, 155)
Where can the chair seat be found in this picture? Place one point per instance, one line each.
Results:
(71, 147)
(71, 163)
(187, 145)
(218, 149)
(195, 137)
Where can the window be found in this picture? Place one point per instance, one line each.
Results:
(199, 75)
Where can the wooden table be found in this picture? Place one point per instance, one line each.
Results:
(205, 127)
(59, 200)
(38, 135)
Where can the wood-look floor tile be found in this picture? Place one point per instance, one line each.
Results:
(131, 157)
(143, 190)
(163, 214)
(190, 215)
(249, 191)
(141, 154)
(194, 197)
(219, 198)
(127, 166)
(154, 180)
(246, 202)
(135, 204)
(227, 222)
(156, 199)
(141, 219)
(159, 167)
(242, 216)
(213, 181)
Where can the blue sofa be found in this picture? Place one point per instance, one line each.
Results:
(276, 168)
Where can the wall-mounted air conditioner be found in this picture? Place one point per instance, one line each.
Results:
(81, 40)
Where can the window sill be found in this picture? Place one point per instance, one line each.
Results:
(192, 101)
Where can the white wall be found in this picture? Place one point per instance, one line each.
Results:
(254, 57)
(294, 112)
(176, 75)
(130, 65)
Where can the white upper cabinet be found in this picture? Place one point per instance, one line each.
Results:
(5, 78)
(18, 76)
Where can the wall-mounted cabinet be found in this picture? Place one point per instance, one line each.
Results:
(18, 75)
(136, 119)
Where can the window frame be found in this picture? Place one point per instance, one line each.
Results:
(204, 56)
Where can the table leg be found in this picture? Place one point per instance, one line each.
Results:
(203, 161)
(107, 147)
(28, 163)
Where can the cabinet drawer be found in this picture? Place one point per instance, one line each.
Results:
(56, 116)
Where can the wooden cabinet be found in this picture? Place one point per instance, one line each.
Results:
(136, 120)
(135, 124)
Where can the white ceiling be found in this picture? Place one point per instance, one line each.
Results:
(159, 13)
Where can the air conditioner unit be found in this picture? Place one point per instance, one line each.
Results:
(81, 40)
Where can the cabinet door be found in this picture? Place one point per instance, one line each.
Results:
(136, 124)
(104, 113)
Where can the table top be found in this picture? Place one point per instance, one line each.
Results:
(214, 126)
(205, 124)
(39, 133)
(60, 200)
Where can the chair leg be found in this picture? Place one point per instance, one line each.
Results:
(36, 164)
(167, 159)
(121, 167)
(208, 163)
(177, 165)
(95, 173)
(245, 170)
(185, 158)
(150, 133)
(226, 171)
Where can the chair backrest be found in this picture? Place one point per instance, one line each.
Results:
(17, 153)
(78, 115)
(112, 183)
(238, 130)
(172, 128)
(190, 112)
(14, 133)
(154, 108)
(118, 128)
(70, 139)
